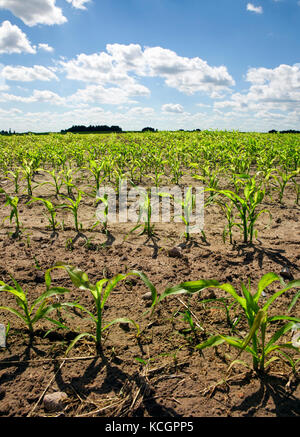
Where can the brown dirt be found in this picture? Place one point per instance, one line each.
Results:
(176, 380)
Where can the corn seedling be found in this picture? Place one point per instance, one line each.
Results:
(73, 206)
(297, 190)
(95, 168)
(57, 180)
(51, 217)
(227, 209)
(15, 175)
(67, 180)
(104, 221)
(14, 212)
(27, 170)
(257, 317)
(282, 177)
(145, 214)
(39, 309)
(191, 333)
(211, 180)
(187, 205)
(232, 323)
(100, 295)
(246, 207)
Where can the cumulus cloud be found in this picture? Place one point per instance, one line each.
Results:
(13, 40)
(270, 89)
(188, 75)
(78, 4)
(256, 9)
(121, 64)
(46, 47)
(33, 12)
(38, 96)
(173, 108)
(27, 74)
(110, 95)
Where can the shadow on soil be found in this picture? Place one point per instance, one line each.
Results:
(133, 387)
(271, 388)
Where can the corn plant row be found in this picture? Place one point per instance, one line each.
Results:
(261, 346)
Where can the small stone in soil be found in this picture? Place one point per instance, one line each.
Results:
(286, 273)
(39, 277)
(147, 296)
(175, 252)
(54, 401)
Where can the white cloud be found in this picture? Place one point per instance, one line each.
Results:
(188, 75)
(13, 40)
(33, 12)
(96, 68)
(46, 47)
(172, 107)
(38, 96)
(27, 74)
(110, 95)
(122, 64)
(256, 9)
(270, 89)
(78, 4)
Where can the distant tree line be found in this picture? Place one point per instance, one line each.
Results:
(290, 131)
(81, 128)
(4, 132)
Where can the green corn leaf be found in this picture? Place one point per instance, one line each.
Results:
(292, 284)
(15, 312)
(19, 294)
(214, 340)
(259, 319)
(79, 337)
(123, 320)
(149, 284)
(279, 333)
(294, 300)
(264, 282)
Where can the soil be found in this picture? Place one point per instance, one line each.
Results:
(158, 373)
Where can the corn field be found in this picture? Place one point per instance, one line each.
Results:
(165, 321)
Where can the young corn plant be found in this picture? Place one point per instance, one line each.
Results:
(104, 221)
(73, 206)
(57, 180)
(145, 214)
(247, 206)
(211, 180)
(100, 293)
(297, 190)
(51, 217)
(96, 169)
(282, 178)
(40, 308)
(176, 170)
(191, 332)
(28, 171)
(257, 343)
(227, 209)
(14, 212)
(187, 206)
(15, 178)
(67, 180)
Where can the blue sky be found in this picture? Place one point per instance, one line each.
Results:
(169, 64)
